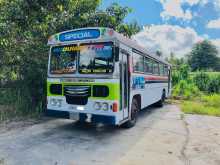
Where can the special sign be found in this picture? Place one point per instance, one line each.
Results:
(79, 35)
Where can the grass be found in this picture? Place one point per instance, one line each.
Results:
(209, 73)
(206, 105)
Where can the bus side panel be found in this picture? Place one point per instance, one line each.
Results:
(150, 91)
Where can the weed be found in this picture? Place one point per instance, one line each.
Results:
(208, 105)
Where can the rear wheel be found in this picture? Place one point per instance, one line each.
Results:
(134, 113)
(161, 101)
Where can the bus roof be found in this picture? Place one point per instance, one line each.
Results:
(97, 33)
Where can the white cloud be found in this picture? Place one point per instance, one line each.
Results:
(195, 2)
(214, 24)
(216, 4)
(216, 42)
(173, 8)
(168, 38)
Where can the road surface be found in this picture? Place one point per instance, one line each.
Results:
(162, 136)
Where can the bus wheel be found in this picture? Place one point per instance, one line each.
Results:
(134, 114)
(161, 101)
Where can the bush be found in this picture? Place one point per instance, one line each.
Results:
(214, 84)
(185, 90)
(209, 83)
(201, 80)
(181, 74)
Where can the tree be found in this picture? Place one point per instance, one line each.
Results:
(204, 56)
(113, 17)
(25, 26)
(176, 62)
(159, 53)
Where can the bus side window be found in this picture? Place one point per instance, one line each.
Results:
(161, 69)
(165, 70)
(116, 53)
(138, 62)
(148, 68)
(156, 68)
(152, 66)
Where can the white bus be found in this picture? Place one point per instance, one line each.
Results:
(98, 75)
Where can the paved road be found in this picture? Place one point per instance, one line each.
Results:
(162, 136)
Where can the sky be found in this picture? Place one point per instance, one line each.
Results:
(173, 25)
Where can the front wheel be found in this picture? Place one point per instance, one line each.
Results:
(134, 113)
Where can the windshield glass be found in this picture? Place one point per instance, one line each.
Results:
(96, 58)
(63, 59)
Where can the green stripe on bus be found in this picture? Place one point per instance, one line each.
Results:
(114, 89)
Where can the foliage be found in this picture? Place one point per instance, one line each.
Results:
(185, 90)
(208, 105)
(206, 82)
(7, 93)
(184, 87)
(204, 56)
(180, 74)
(11, 108)
(201, 79)
(214, 84)
(212, 100)
(24, 28)
(199, 108)
(176, 62)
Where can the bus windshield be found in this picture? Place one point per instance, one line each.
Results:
(93, 59)
(63, 59)
(96, 58)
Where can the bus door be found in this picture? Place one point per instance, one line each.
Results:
(169, 81)
(124, 83)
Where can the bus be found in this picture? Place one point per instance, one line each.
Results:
(98, 75)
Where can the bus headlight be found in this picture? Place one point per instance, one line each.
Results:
(56, 102)
(53, 102)
(59, 103)
(97, 106)
(105, 106)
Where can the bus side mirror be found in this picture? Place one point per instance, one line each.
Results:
(116, 54)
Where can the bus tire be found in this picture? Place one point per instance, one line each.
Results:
(160, 103)
(134, 114)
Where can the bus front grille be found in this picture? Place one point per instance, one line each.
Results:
(77, 95)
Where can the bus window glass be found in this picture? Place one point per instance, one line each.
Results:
(63, 59)
(161, 69)
(138, 62)
(155, 68)
(166, 70)
(148, 68)
(96, 58)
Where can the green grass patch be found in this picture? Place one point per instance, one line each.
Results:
(206, 105)
(209, 73)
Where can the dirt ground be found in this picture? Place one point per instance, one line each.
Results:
(162, 136)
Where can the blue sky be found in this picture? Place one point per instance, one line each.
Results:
(145, 11)
(200, 18)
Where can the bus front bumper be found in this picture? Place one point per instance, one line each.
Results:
(94, 118)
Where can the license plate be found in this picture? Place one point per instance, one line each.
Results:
(79, 108)
(71, 107)
(74, 116)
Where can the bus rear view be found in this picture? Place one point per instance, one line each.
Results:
(81, 77)
(90, 77)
